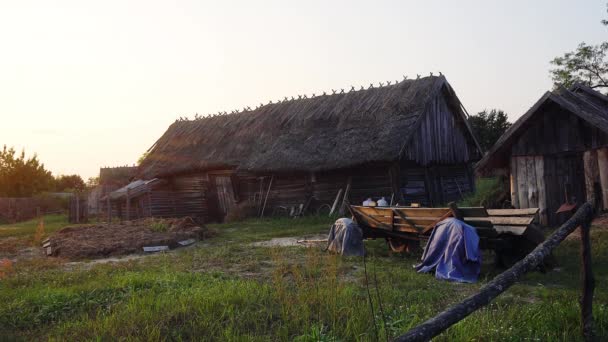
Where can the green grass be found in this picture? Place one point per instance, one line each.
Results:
(52, 223)
(487, 190)
(226, 289)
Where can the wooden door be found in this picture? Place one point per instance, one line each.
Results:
(225, 194)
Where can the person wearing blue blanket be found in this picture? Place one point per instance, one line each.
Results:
(453, 252)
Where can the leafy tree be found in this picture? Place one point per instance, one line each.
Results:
(489, 126)
(587, 65)
(92, 182)
(69, 183)
(21, 176)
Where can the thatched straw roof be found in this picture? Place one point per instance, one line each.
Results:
(309, 134)
(580, 100)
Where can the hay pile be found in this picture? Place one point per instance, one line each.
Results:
(103, 240)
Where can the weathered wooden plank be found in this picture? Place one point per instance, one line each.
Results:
(506, 220)
(602, 160)
(592, 173)
(513, 181)
(539, 163)
(513, 212)
(408, 212)
(522, 180)
(531, 184)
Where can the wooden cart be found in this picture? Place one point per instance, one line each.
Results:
(512, 233)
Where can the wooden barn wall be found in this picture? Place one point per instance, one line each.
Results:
(190, 196)
(436, 185)
(414, 187)
(371, 182)
(288, 190)
(561, 172)
(554, 130)
(328, 184)
(541, 182)
(440, 138)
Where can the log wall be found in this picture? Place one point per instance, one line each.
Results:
(441, 137)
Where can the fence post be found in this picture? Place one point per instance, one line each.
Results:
(587, 283)
(109, 208)
(77, 208)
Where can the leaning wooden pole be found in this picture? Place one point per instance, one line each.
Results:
(266, 199)
(498, 285)
(587, 284)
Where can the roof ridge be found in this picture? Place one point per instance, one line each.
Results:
(248, 109)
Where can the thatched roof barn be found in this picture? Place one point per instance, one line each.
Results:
(418, 125)
(313, 134)
(552, 151)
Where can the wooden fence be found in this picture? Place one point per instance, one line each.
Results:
(78, 209)
(13, 209)
(582, 218)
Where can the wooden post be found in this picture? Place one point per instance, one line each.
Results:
(128, 215)
(602, 161)
(394, 174)
(345, 200)
(522, 189)
(592, 174)
(77, 208)
(531, 184)
(109, 208)
(587, 284)
(539, 162)
(266, 199)
(336, 201)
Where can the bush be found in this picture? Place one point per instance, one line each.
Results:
(490, 193)
(241, 212)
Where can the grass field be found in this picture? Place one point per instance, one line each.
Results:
(226, 289)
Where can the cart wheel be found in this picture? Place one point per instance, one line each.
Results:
(397, 246)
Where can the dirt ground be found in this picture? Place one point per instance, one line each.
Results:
(302, 241)
(104, 240)
(600, 222)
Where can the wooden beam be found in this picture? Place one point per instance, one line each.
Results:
(266, 198)
(602, 163)
(587, 284)
(522, 191)
(336, 201)
(531, 182)
(128, 199)
(346, 200)
(539, 163)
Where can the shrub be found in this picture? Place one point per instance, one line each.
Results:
(490, 193)
(159, 227)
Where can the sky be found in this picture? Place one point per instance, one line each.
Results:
(88, 84)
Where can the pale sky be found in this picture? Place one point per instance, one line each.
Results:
(86, 84)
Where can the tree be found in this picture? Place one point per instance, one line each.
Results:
(69, 183)
(21, 176)
(92, 182)
(587, 65)
(489, 126)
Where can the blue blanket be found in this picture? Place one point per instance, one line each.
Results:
(453, 251)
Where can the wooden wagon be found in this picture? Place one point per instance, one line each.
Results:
(511, 233)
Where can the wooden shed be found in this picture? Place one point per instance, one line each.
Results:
(556, 152)
(409, 141)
